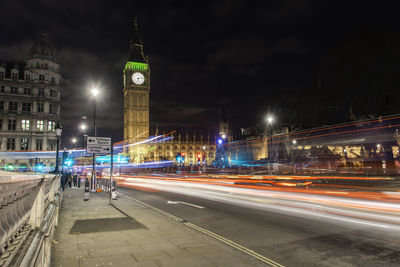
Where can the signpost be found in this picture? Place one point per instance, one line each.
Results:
(100, 145)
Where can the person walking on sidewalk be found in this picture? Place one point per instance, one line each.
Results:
(63, 180)
(75, 179)
(69, 179)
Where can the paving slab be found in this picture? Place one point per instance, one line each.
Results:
(94, 233)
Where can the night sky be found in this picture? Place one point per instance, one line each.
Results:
(244, 55)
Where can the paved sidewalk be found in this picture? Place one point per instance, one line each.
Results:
(94, 233)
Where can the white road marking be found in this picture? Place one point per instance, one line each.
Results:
(211, 234)
(181, 202)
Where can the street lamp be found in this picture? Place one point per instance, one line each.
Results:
(83, 128)
(94, 92)
(270, 119)
(58, 130)
(73, 140)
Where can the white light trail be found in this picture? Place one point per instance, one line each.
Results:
(313, 206)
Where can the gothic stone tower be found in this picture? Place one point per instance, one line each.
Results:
(136, 77)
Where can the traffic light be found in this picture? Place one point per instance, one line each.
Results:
(67, 161)
(178, 158)
(183, 156)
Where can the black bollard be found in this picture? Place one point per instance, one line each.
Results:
(87, 189)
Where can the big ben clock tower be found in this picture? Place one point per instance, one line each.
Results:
(136, 76)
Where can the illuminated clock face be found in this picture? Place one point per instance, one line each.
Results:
(138, 78)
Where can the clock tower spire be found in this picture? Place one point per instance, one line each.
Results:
(136, 77)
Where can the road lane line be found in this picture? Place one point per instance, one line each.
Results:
(209, 233)
(153, 208)
(234, 244)
(182, 202)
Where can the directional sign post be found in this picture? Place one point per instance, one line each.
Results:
(98, 145)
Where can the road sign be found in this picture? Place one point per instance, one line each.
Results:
(99, 140)
(98, 145)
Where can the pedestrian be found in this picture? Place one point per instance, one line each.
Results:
(69, 179)
(79, 180)
(63, 180)
(75, 179)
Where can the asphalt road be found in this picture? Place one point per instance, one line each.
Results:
(290, 240)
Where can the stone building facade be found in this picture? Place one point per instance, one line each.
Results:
(30, 102)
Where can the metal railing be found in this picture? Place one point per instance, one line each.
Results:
(28, 215)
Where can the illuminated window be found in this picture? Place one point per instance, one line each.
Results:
(10, 143)
(25, 125)
(39, 125)
(52, 126)
(24, 144)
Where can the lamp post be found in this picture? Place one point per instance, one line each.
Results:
(270, 119)
(58, 130)
(94, 92)
(73, 140)
(83, 128)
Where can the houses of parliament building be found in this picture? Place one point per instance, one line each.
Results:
(141, 145)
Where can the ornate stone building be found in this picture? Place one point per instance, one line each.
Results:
(183, 149)
(30, 102)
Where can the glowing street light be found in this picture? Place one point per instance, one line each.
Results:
(95, 91)
(294, 142)
(223, 136)
(83, 127)
(270, 119)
